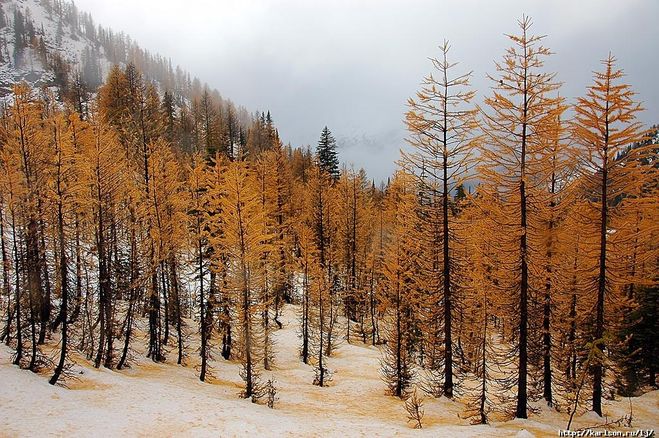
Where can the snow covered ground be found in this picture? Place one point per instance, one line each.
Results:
(169, 400)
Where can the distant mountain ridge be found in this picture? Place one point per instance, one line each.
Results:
(46, 42)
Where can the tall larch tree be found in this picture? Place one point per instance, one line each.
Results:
(605, 124)
(399, 298)
(197, 188)
(102, 174)
(244, 243)
(62, 190)
(521, 109)
(442, 121)
(28, 145)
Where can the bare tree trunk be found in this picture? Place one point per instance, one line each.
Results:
(601, 288)
(203, 320)
(132, 295)
(64, 283)
(17, 293)
(305, 315)
(6, 335)
(34, 284)
(174, 282)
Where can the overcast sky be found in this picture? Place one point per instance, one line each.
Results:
(351, 65)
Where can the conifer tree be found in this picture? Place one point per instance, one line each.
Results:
(483, 358)
(441, 122)
(64, 187)
(522, 109)
(398, 296)
(317, 256)
(328, 159)
(198, 232)
(605, 124)
(102, 174)
(305, 260)
(353, 241)
(244, 243)
(28, 150)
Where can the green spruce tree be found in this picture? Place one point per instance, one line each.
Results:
(328, 159)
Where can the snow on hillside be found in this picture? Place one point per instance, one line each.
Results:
(29, 67)
(49, 31)
(169, 400)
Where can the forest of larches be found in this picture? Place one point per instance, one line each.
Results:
(512, 257)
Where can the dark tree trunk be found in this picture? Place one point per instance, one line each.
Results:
(446, 271)
(78, 300)
(546, 314)
(174, 281)
(601, 289)
(44, 305)
(35, 291)
(17, 295)
(134, 274)
(305, 317)
(203, 320)
(64, 283)
(520, 411)
(6, 335)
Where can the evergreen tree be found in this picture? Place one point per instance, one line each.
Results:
(328, 159)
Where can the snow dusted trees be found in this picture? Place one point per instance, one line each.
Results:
(120, 223)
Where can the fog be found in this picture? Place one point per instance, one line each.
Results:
(351, 65)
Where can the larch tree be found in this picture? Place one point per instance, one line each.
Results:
(13, 192)
(102, 175)
(482, 355)
(318, 259)
(521, 110)
(269, 270)
(279, 194)
(551, 200)
(304, 261)
(244, 243)
(352, 211)
(321, 216)
(26, 143)
(399, 298)
(441, 122)
(197, 188)
(604, 125)
(63, 189)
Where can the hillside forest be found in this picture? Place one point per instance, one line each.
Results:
(511, 258)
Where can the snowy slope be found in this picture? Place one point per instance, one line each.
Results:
(169, 400)
(31, 69)
(82, 45)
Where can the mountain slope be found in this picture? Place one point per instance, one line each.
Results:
(47, 42)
